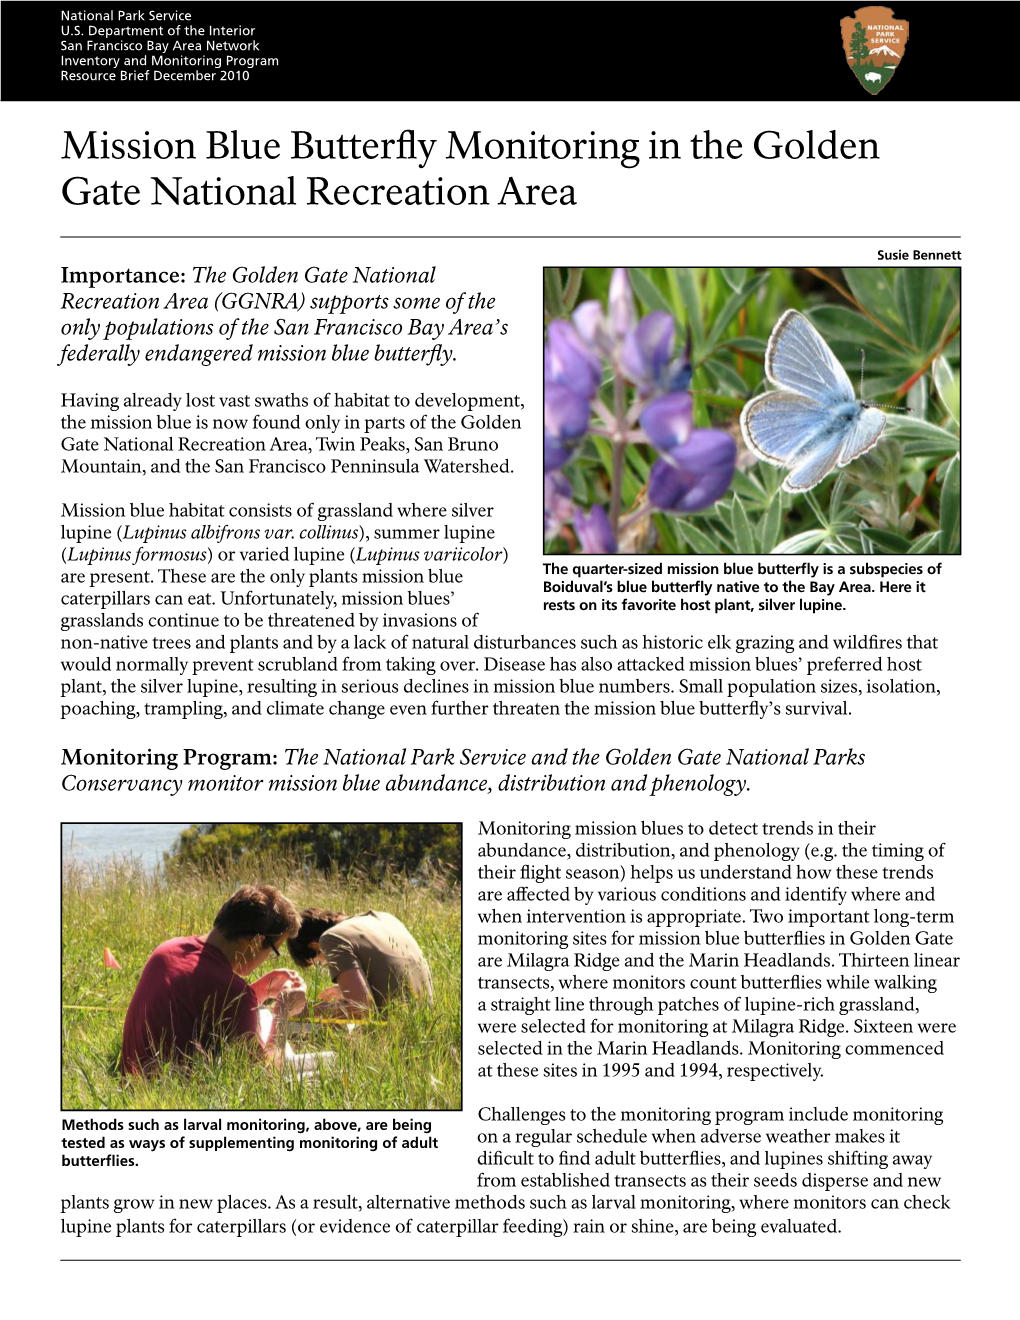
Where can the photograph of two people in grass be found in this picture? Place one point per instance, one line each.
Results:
(366, 981)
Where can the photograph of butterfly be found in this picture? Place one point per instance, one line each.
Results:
(713, 410)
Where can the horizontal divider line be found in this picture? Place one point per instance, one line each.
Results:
(887, 238)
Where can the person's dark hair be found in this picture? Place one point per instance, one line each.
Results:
(257, 910)
(305, 944)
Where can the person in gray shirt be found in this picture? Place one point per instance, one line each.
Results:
(372, 958)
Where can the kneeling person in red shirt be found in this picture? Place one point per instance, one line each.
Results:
(191, 996)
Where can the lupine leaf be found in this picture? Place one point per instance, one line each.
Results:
(742, 534)
(653, 300)
(947, 384)
(768, 529)
(949, 516)
(697, 540)
(801, 544)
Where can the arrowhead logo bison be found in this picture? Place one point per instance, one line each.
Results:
(874, 41)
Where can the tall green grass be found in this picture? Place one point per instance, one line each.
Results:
(411, 1062)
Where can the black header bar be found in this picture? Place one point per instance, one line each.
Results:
(291, 50)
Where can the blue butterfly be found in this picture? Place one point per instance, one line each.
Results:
(813, 422)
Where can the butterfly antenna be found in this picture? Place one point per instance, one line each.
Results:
(873, 403)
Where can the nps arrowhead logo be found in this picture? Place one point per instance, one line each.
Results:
(874, 41)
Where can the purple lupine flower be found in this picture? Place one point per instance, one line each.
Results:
(566, 419)
(646, 350)
(668, 421)
(570, 362)
(693, 475)
(590, 324)
(559, 503)
(695, 467)
(622, 314)
(594, 532)
(680, 373)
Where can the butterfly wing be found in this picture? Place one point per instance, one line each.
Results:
(798, 358)
(811, 465)
(864, 434)
(837, 446)
(777, 425)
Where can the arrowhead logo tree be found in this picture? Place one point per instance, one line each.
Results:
(874, 40)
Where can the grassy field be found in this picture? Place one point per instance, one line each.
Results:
(411, 1062)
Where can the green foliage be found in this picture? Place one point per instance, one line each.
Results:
(373, 849)
(410, 1059)
(900, 498)
(859, 43)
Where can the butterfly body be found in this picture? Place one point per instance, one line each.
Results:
(813, 422)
